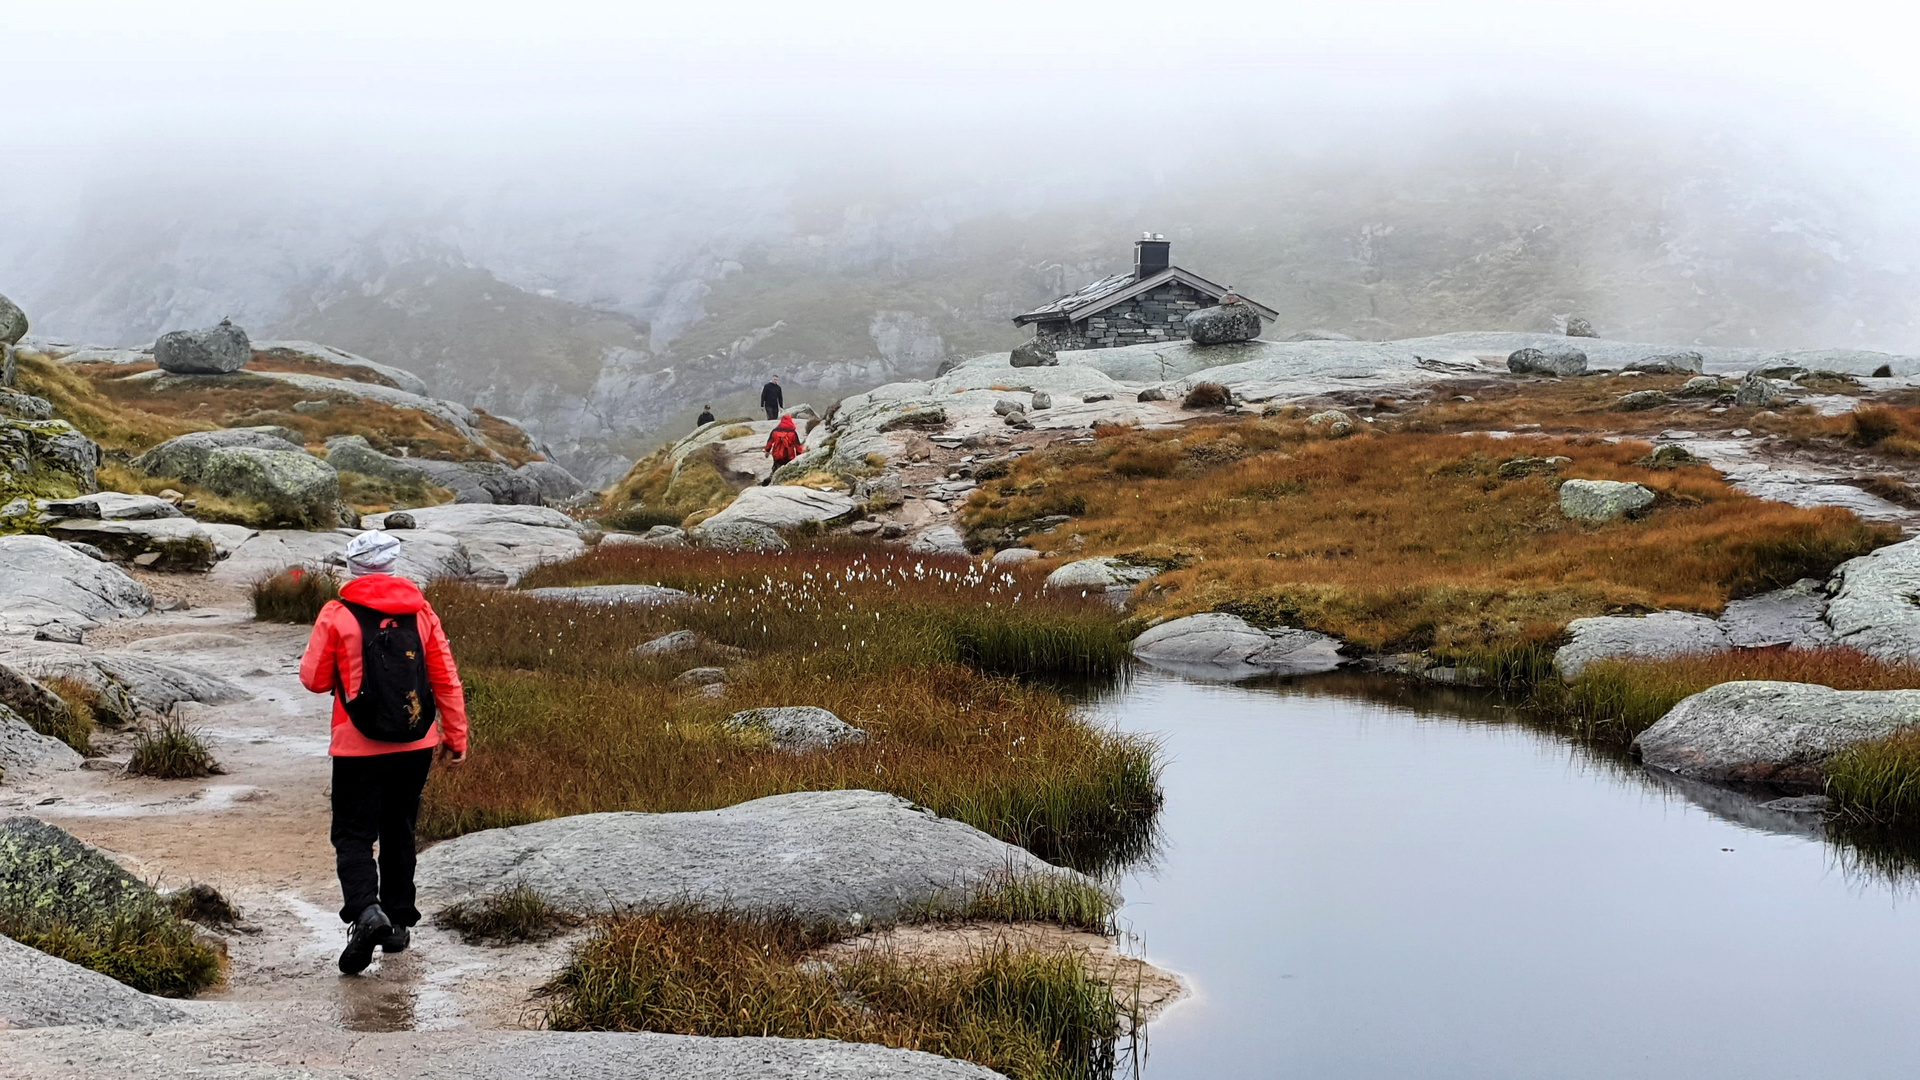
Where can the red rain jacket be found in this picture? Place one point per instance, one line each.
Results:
(333, 659)
(784, 444)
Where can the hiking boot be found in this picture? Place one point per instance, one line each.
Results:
(397, 940)
(371, 928)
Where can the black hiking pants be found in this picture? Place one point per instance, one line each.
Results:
(773, 411)
(377, 799)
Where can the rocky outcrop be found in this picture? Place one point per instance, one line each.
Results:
(1657, 636)
(13, 322)
(796, 729)
(1755, 391)
(263, 464)
(939, 540)
(353, 453)
(1033, 354)
(842, 857)
(1673, 363)
(1229, 322)
(1778, 732)
(48, 457)
(1641, 400)
(553, 483)
(216, 350)
(481, 482)
(498, 543)
(678, 641)
(25, 753)
(128, 686)
(1602, 500)
(1099, 572)
(38, 990)
(785, 507)
(1548, 361)
(112, 506)
(169, 544)
(1219, 645)
(736, 536)
(47, 586)
(1793, 616)
(1873, 607)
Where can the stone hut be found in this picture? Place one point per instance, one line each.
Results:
(1150, 304)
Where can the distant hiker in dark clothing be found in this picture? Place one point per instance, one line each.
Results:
(771, 399)
(706, 416)
(782, 446)
(381, 652)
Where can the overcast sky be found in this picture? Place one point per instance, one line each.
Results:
(83, 76)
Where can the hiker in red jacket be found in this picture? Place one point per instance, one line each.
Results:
(381, 652)
(782, 446)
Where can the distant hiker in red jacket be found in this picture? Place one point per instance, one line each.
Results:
(381, 652)
(782, 446)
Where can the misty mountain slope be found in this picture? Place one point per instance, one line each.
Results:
(605, 322)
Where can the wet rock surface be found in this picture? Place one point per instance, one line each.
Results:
(37, 991)
(1219, 645)
(1777, 732)
(1873, 607)
(1793, 616)
(784, 507)
(25, 752)
(44, 583)
(1651, 637)
(845, 857)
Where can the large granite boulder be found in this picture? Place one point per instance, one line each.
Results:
(1873, 607)
(481, 482)
(1602, 500)
(13, 322)
(784, 507)
(1547, 362)
(1228, 322)
(353, 453)
(128, 686)
(554, 483)
(796, 729)
(498, 542)
(843, 857)
(1658, 636)
(217, 350)
(26, 753)
(1033, 354)
(1218, 645)
(47, 586)
(1756, 391)
(736, 536)
(1099, 572)
(263, 464)
(1778, 732)
(48, 457)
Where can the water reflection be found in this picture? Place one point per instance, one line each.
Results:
(1368, 877)
(383, 998)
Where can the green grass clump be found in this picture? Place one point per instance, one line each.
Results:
(1878, 781)
(294, 595)
(1030, 1014)
(1061, 899)
(1037, 641)
(170, 750)
(513, 913)
(71, 901)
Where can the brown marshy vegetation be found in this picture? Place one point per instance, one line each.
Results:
(1403, 539)
(921, 652)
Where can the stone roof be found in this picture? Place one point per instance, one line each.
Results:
(1108, 291)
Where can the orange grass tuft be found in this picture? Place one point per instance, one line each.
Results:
(1398, 540)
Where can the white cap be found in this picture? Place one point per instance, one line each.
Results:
(372, 552)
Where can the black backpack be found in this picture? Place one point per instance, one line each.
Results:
(395, 703)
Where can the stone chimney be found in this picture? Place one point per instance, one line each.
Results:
(1149, 255)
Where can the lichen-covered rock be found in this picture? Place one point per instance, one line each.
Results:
(266, 465)
(353, 453)
(784, 507)
(1014, 556)
(667, 644)
(1213, 642)
(1099, 572)
(1641, 400)
(1042, 400)
(1674, 363)
(1033, 354)
(48, 457)
(1778, 732)
(1658, 636)
(1755, 391)
(1602, 500)
(1873, 607)
(13, 322)
(1225, 323)
(797, 729)
(1547, 362)
(846, 857)
(1704, 386)
(1332, 423)
(19, 406)
(216, 350)
(112, 506)
(737, 536)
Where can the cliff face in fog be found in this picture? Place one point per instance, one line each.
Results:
(605, 323)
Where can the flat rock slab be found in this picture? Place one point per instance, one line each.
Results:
(175, 543)
(1657, 636)
(1793, 616)
(270, 551)
(131, 685)
(614, 595)
(939, 540)
(647, 1056)
(500, 543)
(1215, 645)
(1099, 572)
(846, 857)
(785, 507)
(112, 506)
(45, 583)
(37, 990)
(797, 729)
(1873, 607)
(1778, 732)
